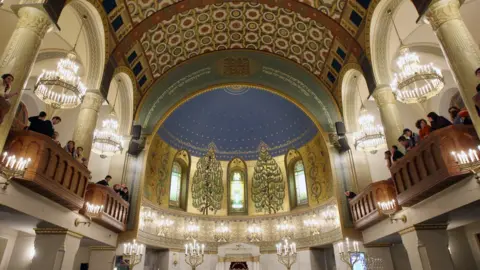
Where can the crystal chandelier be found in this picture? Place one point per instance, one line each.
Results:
(285, 228)
(254, 231)
(330, 218)
(191, 229)
(106, 141)
(62, 88)
(163, 226)
(371, 137)
(415, 83)
(222, 231)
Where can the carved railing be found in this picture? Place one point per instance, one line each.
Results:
(52, 172)
(364, 207)
(115, 208)
(430, 167)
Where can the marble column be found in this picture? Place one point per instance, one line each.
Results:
(391, 120)
(459, 47)
(427, 247)
(87, 121)
(101, 258)
(55, 248)
(19, 57)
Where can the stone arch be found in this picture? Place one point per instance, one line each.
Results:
(95, 38)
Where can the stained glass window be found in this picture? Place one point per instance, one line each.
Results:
(300, 183)
(237, 192)
(175, 184)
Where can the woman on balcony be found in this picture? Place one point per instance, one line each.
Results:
(5, 95)
(70, 148)
(424, 128)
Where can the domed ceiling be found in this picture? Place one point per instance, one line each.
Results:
(237, 119)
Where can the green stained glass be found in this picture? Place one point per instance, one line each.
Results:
(175, 183)
(237, 192)
(300, 183)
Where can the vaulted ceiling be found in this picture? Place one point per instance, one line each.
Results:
(152, 37)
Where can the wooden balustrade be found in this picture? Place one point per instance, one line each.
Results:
(115, 208)
(429, 167)
(52, 172)
(364, 208)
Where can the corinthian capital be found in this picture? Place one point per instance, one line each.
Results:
(383, 95)
(34, 19)
(441, 11)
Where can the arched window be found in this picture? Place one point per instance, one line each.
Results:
(175, 184)
(297, 180)
(237, 190)
(300, 183)
(179, 180)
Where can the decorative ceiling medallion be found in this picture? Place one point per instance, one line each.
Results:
(236, 89)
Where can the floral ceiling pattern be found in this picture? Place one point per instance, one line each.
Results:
(139, 10)
(241, 25)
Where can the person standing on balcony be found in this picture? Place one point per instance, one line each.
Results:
(405, 143)
(5, 95)
(50, 125)
(37, 123)
(70, 148)
(105, 181)
(396, 154)
(437, 121)
(411, 136)
(424, 128)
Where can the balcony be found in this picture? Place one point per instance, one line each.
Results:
(52, 172)
(429, 167)
(364, 206)
(115, 208)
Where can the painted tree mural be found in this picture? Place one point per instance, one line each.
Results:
(268, 187)
(207, 186)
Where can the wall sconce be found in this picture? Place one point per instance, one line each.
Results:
(12, 167)
(175, 259)
(254, 231)
(469, 162)
(78, 222)
(390, 208)
(147, 217)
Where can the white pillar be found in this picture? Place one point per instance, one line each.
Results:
(23, 252)
(19, 57)
(427, 247)
(55, 248)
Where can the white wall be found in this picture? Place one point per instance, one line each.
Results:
(384, 254)
(400, 257)
(6, 249)
(472, 232)
(23, 252)
(460, 249)
(83, 255)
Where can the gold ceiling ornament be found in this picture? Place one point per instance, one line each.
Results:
(62, 88)
(207, 186)
(414, 83)
(106, 141)
(268, 187)
(371, 137)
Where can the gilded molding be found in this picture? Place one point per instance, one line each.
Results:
(103, 248)
(441, 11)
(93, 100)
(58, 231)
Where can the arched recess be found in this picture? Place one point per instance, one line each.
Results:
(237, 187)
(296, 178)
(179, 178)
(121, 88)
(354, 92)
(94, 38)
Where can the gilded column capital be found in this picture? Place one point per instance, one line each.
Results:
(441, 11)
(383, 95)
(57, 231)
(92, 100)
(34, 19)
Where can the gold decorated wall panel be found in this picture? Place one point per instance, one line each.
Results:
(314, 154)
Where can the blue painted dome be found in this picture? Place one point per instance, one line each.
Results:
(237, 119)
